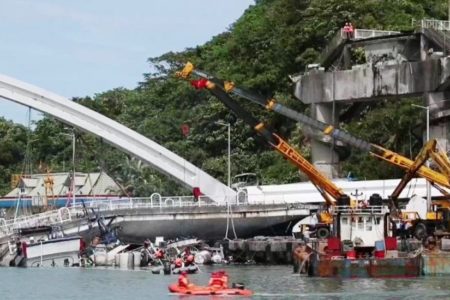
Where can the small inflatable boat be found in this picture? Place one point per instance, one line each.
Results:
(207, 290)
(167, 270)
(192, 269)
(163, 267)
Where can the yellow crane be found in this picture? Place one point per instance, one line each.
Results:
(438, 180)
(330, 192)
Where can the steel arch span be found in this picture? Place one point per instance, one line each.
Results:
(117, 135)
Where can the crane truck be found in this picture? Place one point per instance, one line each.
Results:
(437, 220)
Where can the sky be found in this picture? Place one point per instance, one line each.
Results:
(80, 48)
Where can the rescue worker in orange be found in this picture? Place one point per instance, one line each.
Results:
(215, 281)
(159, 254)
(178, 262)
(189, 260)
(224, 278)
(183, 281)
(219, 280)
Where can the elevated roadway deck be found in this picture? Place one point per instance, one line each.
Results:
(378, 66)
(171, 217)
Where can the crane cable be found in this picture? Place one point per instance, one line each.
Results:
(230, 217)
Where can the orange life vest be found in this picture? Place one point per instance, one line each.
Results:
(178, 263)
(224, 280)
(182, 281)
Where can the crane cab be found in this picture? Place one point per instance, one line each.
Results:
(243, 180)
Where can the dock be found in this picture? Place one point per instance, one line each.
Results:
(261, 249)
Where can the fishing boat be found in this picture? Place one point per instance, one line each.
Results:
(44, 246)
(363, 245)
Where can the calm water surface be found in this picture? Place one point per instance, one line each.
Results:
(268, 282)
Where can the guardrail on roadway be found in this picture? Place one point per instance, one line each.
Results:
(158, 201)
(49, 218)
(434, 24)
(68, 214)
(341, 37)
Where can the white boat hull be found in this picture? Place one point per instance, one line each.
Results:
(52, 253)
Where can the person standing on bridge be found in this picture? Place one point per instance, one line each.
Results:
(345, 30)
(350, 32)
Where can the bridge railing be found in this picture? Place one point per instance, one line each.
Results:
(49, 218)
(353, 210)
(370, 33)
(340, 37)
(154, 201)
(434, 24)
(167, 202)
(335, 42)
(163, 202)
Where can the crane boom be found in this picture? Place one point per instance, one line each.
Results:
(325, 186)
(421, 158)
(375, 150)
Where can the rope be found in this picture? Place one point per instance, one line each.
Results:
(230, 217)
(232, 223)
(303, 264)
(416, 252)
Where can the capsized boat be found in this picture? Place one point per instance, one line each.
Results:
(207, 290)
(44, 246)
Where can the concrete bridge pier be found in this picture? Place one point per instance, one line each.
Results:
(324, 157)
(395, 66)
(439, 106)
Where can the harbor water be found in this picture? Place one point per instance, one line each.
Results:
(268, 282)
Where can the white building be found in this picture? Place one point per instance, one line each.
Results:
(305, 192)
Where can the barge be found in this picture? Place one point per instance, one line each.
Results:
(363, 245)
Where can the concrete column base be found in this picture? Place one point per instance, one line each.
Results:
(439, 104)
(323, 157)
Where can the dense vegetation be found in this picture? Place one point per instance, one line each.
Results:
(273, 39)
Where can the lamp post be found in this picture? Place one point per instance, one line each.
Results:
(73, 164)
(73, 167)
(427, 108)
(229, 149)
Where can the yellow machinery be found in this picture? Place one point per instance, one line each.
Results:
(438, 180)
(329, 191)
(49, 183)
(437, 219)
(15, 179)
(430, 150)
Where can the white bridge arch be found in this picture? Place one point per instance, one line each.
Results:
(117, 135)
